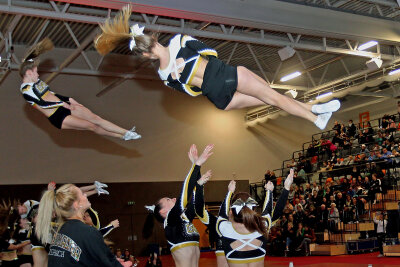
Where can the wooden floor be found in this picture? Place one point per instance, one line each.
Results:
(207, 259)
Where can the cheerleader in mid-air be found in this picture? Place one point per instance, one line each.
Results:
(192, 67)
(63, 112)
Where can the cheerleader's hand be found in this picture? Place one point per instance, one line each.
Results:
(269, 186)
(289, 179)
(193, 154)
(232, 186)
(205, 155)
(204, 178)
(115, 223)
(51, 186)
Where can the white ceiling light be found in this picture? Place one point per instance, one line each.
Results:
(293, 93)
(367, 45)
(393, 72)
(374, 64)
(286, 53)
(290, 76)
(324, 95)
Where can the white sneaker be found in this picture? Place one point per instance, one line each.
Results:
(322, 120)
(129, 135)
(330, 106)
(102, 191)
(100, 185)
(380, 255)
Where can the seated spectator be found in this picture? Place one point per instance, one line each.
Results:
(333, 218)
(303, 241)
(289, 235)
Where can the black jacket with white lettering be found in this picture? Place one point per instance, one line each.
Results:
(78, 244)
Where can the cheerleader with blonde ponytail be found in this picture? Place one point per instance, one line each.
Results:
(73, 242)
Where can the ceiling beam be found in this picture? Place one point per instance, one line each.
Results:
(267, 14)
(244, 37)
(10, 28)
(88, 40)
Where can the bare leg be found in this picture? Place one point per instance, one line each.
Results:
(75, 123)
(221, 261)
(304, 105)
(89, 190)
(39, 257)
(249, 84)
(26, 265)
(240, 100)
(82, 112)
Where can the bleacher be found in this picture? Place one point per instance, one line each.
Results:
(355, 236)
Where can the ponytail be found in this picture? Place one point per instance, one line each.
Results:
(154, 213)
(249, 218)
(44, 217)
(117, 32)
(55, 203)
(30, 59)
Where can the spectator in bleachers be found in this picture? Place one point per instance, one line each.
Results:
(375, 187)
(351, 129)
(308, 189)
(311, 216)
(378, 141)
(385, 122)
(289, 234)
(302, 241)
(364, 150)
(322, 218)
(336, 126)
(333, 217)
(387, 155)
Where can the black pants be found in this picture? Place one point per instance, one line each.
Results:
(381, 238)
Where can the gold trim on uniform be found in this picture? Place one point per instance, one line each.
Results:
(246, 260)
(219, 253)
(188, 244)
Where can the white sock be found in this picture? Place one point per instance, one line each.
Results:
(330, 106)
(322, 120)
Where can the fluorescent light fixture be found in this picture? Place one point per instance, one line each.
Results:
(393, 72)
(367, 45)
(290, 76)
(293, 93)
(323, 95)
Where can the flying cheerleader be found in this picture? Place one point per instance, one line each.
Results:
(192, 67)
(62, 111)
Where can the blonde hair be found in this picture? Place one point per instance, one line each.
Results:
(55, 203)
(30, 59)
(117, 31)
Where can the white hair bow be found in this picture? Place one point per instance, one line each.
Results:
(135, 30)
(239, 204)
(150, 208)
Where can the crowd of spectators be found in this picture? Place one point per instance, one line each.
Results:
(348, 168)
